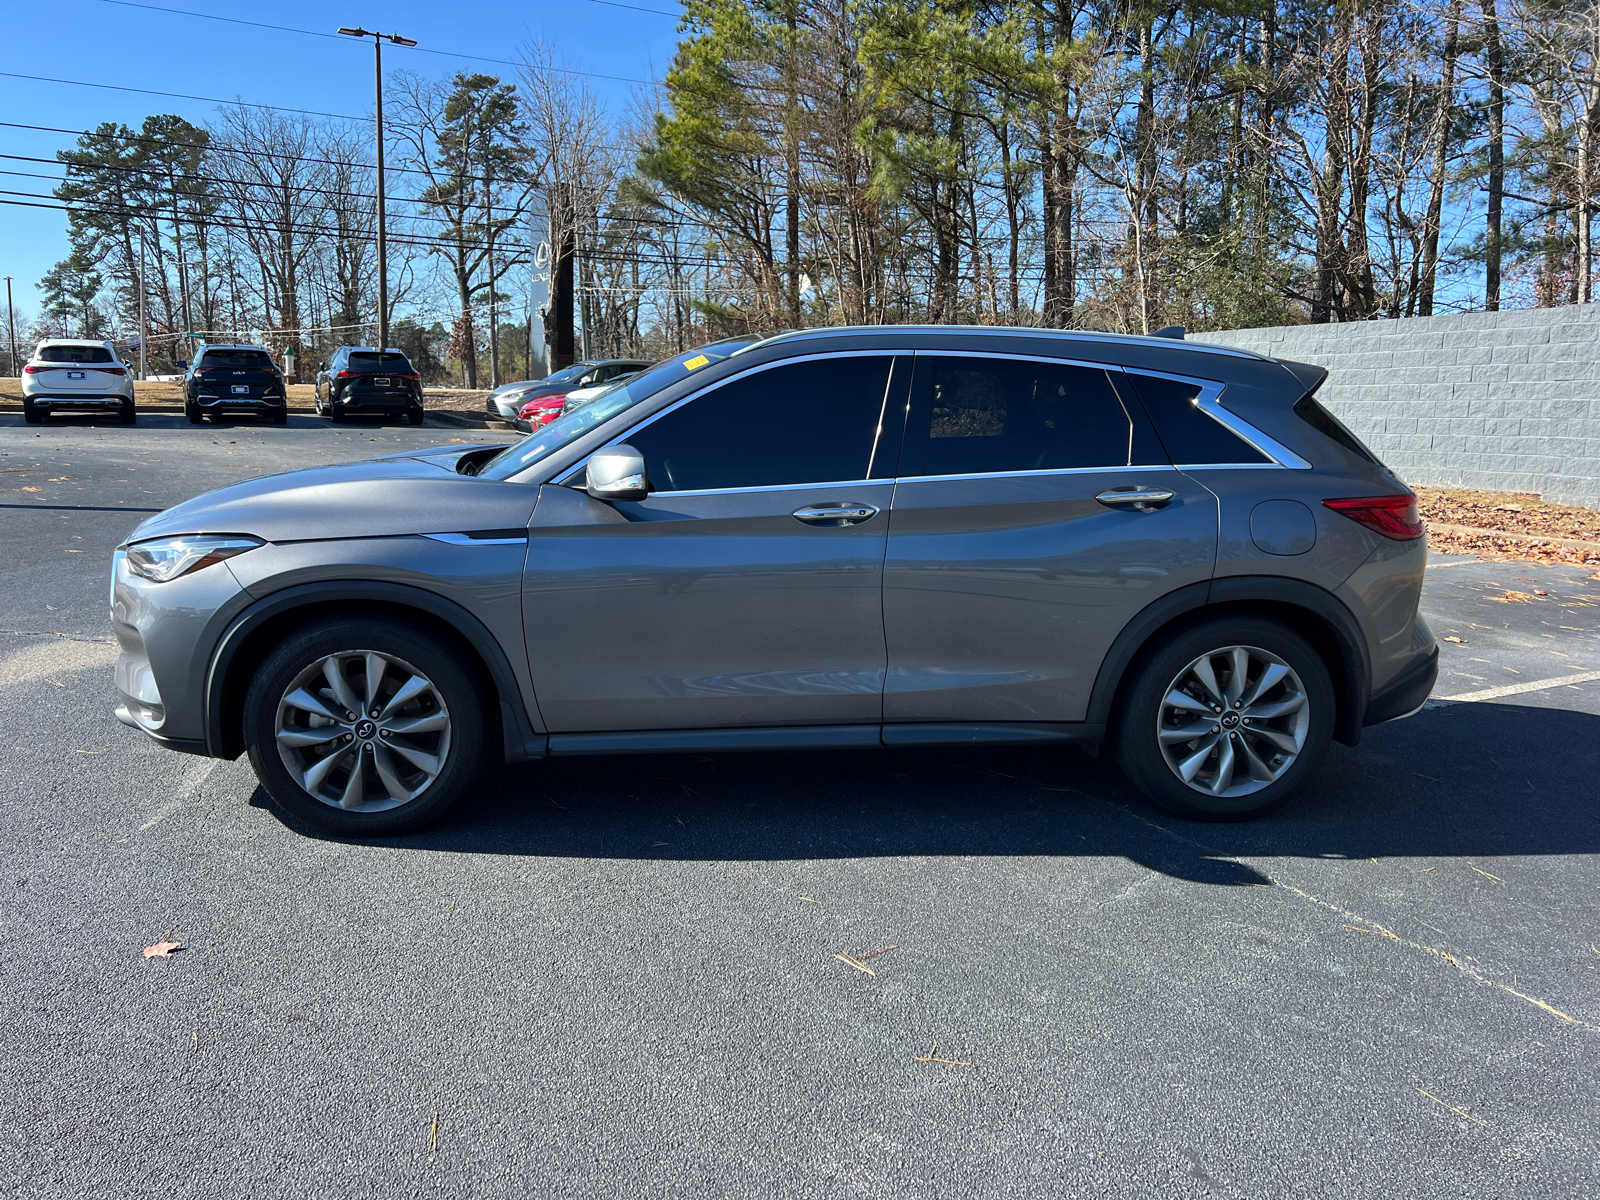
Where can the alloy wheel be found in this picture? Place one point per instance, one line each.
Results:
(1233, 721)
(363, 731)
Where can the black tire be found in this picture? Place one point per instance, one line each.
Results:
(192, 411)
(415, 416)
(281, 417)
(453, 688)
(32, 415)
(129, 414)
(335, 412)
(1276, 774)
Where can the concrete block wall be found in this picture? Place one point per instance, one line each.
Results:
(1506, 401)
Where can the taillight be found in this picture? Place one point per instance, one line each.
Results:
(347, 374)
(33, 370)
(413, 375)
(1394, 517)
(198, 372)
(113, 370)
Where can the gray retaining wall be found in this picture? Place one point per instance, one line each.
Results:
(1506, 401)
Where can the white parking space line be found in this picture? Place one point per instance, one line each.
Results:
(1513, 689)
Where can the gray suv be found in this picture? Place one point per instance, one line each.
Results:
(887, 536)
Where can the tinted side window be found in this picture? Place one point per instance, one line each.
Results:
(809, 422)
(1324, 422)
(988, 415)
(372, 360)
(1189, 435)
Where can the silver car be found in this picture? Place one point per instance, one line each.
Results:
(837, 538)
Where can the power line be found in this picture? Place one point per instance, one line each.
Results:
(504, 62)
(112, 87)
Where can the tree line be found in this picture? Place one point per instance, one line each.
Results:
(1117, 166)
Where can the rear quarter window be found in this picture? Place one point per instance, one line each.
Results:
(1324, 422)
(75, 354)
(1190, 436)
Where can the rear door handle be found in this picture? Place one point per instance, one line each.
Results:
(836, 515)
(1137, 497)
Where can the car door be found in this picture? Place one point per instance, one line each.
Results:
(746, 589)
(1034, 515)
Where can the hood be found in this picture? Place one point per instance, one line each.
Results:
(382, 497)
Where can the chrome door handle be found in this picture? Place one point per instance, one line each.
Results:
(1141, 499)
(836, 515)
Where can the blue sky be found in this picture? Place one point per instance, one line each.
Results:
(135, 46)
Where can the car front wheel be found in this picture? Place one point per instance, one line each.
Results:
(364, 728)
(1226, 719)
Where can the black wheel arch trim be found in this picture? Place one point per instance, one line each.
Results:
(521, 742)
(1352, 673)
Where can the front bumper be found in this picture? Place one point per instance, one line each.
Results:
(165, 636)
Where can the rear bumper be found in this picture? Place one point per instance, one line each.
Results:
(88, 402)
(238, 403)
(1406, 694)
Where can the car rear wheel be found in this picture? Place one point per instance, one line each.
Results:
(30, 414)
(281, 417)
(335, 412)
(1226, 719)
(129, 414)
(364, 728)
(192, 411)
(415, 416)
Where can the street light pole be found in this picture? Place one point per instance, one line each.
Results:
(142, 360)
(383, 257)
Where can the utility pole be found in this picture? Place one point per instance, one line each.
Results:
(142, 326)
(11, 328)
(383, 257)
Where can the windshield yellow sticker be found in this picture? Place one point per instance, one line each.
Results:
(695, 363)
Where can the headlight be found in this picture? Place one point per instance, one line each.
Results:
(168, 558)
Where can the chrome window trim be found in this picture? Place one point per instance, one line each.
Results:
(582, 464)
(1040, 472)
(1209, 401)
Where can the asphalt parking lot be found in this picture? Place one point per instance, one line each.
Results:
(620, 977)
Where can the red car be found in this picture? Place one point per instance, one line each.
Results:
(539, 412)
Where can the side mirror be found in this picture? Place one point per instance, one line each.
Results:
(617, 473)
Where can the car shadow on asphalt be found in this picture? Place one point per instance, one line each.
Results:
(1475, 780)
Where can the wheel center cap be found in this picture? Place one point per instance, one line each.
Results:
(365, 730)
(1230, 720)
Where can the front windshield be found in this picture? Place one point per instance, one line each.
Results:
(619, 397)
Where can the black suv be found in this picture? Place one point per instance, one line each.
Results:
(234, 379)
(363, 381)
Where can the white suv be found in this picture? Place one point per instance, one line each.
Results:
(72, 373)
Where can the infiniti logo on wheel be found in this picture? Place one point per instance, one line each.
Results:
(365, 730)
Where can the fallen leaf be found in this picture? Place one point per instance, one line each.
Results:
(30, 489)
(162, 949)
(1457, 641)
(1537, 592)
(62, 479)
(1511, 597)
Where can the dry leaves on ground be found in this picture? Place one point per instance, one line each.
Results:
(162, 949)
(1508, 512)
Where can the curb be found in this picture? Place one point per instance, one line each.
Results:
(1474, 531)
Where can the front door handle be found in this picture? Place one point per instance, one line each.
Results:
(1137, 497)
(836, 515)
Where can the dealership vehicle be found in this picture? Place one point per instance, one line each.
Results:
(505, 403)
(360, 381)
(76, 375)
(540, 412)
(234, 379)
(895, 536)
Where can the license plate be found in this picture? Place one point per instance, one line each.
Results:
(380, 383)
(77, 374)
(240, 389)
